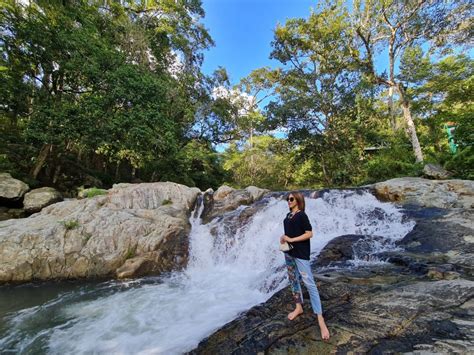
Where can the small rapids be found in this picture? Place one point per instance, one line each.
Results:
(231, 268)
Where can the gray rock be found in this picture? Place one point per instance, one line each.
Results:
(228, 199)
(348, 247)
(435, 171)
(96, 236)
(10, 188)
(255, 192)
(37, 199)
(428, 193)
(222, 192)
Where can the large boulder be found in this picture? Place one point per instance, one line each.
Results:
(37, 199)
(226, 199)
(95, 237)
(428, 193)
(11, 189)
(350, 247)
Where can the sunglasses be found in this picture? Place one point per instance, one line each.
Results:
(290, 199)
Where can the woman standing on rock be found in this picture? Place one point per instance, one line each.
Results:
(298, 232)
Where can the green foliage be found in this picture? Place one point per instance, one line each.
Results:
(415, 67)
(268, 162)
(389, 166)
(89, 96)
(195, 164)
(94, 191)
(92, 82)
(70, 224)
(462, 163)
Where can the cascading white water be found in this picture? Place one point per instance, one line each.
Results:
(228, 273)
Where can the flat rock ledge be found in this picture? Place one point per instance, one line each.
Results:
(133, 230)
(428, 193)
(420, 302)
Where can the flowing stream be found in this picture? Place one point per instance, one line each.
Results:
(231, 268)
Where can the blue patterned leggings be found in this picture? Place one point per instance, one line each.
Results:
(300, 270)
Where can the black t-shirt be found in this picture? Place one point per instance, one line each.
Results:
(294, 227)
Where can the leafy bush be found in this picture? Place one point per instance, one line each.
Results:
(462, 163)
(384, 167)
(94, 191)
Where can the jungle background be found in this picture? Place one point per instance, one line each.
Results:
(98, 92)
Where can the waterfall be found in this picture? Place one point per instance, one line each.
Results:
(232, 267)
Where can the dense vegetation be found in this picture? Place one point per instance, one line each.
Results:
(100, 92)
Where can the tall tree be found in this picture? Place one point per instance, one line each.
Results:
(316, 87)
(113, 84)
(393, 26)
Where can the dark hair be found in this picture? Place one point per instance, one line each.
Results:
(299, 199)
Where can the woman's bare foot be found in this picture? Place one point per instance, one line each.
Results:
(324, 329)
(298, 310)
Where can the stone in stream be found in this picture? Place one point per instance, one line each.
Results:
(348, 247)
(226, 199)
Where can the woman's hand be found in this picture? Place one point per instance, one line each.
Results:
(285, 238)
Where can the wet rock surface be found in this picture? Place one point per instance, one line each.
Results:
(420, 301)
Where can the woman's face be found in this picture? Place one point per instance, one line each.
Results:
(291, 201)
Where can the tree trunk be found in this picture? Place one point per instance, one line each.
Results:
(391, 113)
(57, 172)
(117, 171)
(325, 174)
(42, 156)
(410, 125)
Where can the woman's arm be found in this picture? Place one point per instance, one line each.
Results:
(305, 236)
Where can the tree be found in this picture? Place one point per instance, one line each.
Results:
(395, 26)
(269, 162)
(316, 91)
(100, 86)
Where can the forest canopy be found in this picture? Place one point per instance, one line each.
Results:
(99, 92)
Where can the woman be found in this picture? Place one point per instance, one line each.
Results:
(298, 232)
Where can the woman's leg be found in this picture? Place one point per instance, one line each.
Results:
(304, 269)
(294, 277)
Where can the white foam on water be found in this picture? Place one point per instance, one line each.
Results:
(228, 273)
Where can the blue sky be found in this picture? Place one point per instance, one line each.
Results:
(243, 30)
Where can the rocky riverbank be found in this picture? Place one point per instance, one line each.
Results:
(420, 301)
(131, 230)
